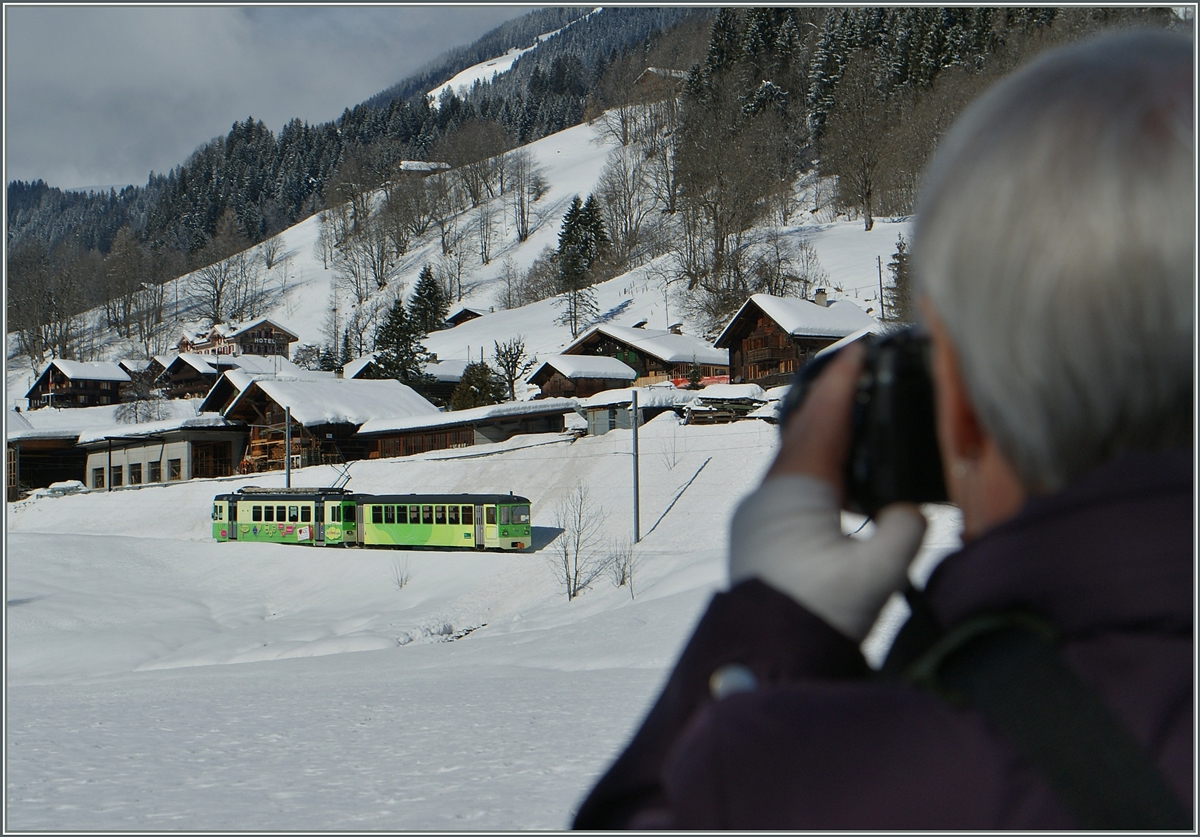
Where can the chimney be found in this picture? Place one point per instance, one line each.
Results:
(675, 328)
(820, 298)
(640, 324)
(339, 372)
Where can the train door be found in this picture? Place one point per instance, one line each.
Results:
(479, 544)
(352, 513)
(319, 521)
(233, 525)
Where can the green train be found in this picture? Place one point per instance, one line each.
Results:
(336, 517)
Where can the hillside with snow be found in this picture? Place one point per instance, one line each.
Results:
(571, 162)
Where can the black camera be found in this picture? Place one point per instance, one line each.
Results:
(894, 453)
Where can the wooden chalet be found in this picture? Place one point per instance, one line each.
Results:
(655, 356)
(464, 315)
(326, 414)
(580, 376)
(257, 337)
(73, 383)
(770, 337)
(192, 375)
(405, 436)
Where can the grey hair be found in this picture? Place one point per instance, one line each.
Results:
(1055, 239)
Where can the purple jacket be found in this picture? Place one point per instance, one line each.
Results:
(823, 745)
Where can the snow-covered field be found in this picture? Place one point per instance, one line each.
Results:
(159, 680)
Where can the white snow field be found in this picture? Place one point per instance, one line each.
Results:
(159, 680)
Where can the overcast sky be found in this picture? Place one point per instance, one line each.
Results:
(100, 95)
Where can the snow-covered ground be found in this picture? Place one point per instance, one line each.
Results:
(159, 680)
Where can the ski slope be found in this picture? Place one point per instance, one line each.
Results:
(160, 680)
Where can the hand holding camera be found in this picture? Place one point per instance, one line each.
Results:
(840, 412)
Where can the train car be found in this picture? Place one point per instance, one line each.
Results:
(465, 521)
(315, 516)
(335, 517)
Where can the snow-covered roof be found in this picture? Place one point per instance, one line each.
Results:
(875, 328)
(151, 428)
(664, 345)
(447, 371)
(133, 364)
(332, 400)
(732, 392)
(474, 415)
(69, 422)
(778, 393)
(588, 366)
(647, 397)
(251, 364)
(351, 368)
(801, 318)
(232, 329)
(420, 165)
(93, 370)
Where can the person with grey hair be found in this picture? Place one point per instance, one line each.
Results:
(1054, 252)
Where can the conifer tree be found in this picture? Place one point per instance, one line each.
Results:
(428, 306)
(401, 354)
(479, 386)
(899, 294)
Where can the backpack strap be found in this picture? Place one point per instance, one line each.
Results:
(1007, 666)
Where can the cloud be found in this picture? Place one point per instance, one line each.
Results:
(103, 95)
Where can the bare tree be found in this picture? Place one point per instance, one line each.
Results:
(513, 362)
(271, 251)
(855, 139)
(622, 564)
(524, 189)
(577, 559)
(627, 200)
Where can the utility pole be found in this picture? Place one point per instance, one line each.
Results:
(287, 447)
(882, 310)
(637, 526)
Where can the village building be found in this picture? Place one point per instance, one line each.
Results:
(257, 337)
(74, 383)
(580, 376)
(659, 83)
(172, 450)
(655, 356)
(37, 456)
(326, 414)
(770, 337)
(192, 375)
(464, 315)
(612, 409)
(408, 435)
(446, 374)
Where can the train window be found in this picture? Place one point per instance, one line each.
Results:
(293, 514)
(389, 514)
(489, 515)
(279, 513)
(216, 512)
(427, 515)
(452, 515)
(520, 514)
(439, 515)
(505, 515)
(468, 516)
(377, 514)
(269, 514)
(256, 514)
(305, 514)
(335, 514)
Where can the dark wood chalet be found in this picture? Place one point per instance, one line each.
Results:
(73, 383)
(580, 376)
(770, 337)
(655, 356)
